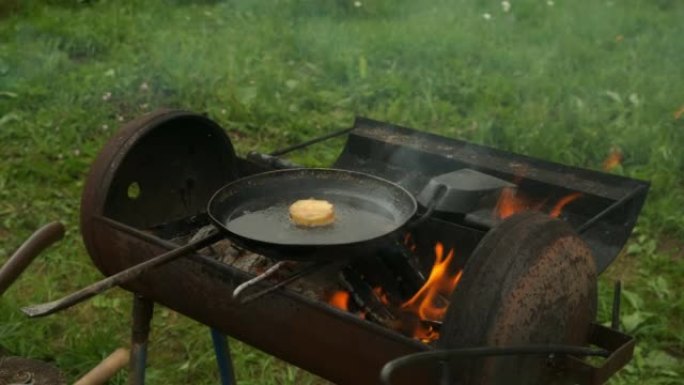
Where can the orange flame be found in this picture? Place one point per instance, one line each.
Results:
(425, 302)
(613, 160)
(340, 299)
(510, 202)
(679, 113)
(425, 333)
(558, 208)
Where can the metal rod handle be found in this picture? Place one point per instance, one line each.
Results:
(28, 251)
(271, 161)
(312, 141)
(312, 268)
(118, 278)
(269, 272)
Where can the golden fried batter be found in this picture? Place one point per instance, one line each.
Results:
(312, 213)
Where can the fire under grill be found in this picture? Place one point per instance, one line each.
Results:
(494, 283)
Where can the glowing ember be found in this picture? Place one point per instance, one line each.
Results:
(613, 160)
(382, 296)
(340, 299)
(558, 208)
(409, 242)
(429, 302)
(407, 238)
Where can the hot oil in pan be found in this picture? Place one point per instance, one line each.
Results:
(352, 224)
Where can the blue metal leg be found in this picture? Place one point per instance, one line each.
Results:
(223, 359)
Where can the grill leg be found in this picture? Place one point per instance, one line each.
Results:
(142, 315)
(223, 359)
(445, 378)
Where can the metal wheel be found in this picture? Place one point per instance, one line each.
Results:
(531, 280)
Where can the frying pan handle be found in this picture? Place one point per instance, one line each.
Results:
(437, 198)
(29, 250)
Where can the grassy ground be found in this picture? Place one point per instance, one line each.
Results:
(567, 81)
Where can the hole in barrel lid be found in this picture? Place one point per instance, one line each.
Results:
(133, 191)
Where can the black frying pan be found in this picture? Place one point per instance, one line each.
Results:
(253, 212)
(369, 211)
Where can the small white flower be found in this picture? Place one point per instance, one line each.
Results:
(550, 3)
(120, 118)
(357, 4)
(105, 127)
(144, 106)
(107, 96)
(487, 16)
(505, 6)
(223, 111)
(144, 86)
(77, 152)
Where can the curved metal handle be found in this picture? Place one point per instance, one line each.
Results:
(28, 251)
(435, 201)
(444, 355)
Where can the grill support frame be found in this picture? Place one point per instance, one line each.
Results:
(181, 285)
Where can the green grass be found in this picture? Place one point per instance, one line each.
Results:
(567, 83)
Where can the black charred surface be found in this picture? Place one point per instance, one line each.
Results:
(397, 261)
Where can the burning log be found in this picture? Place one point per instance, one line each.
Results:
(364, 295)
